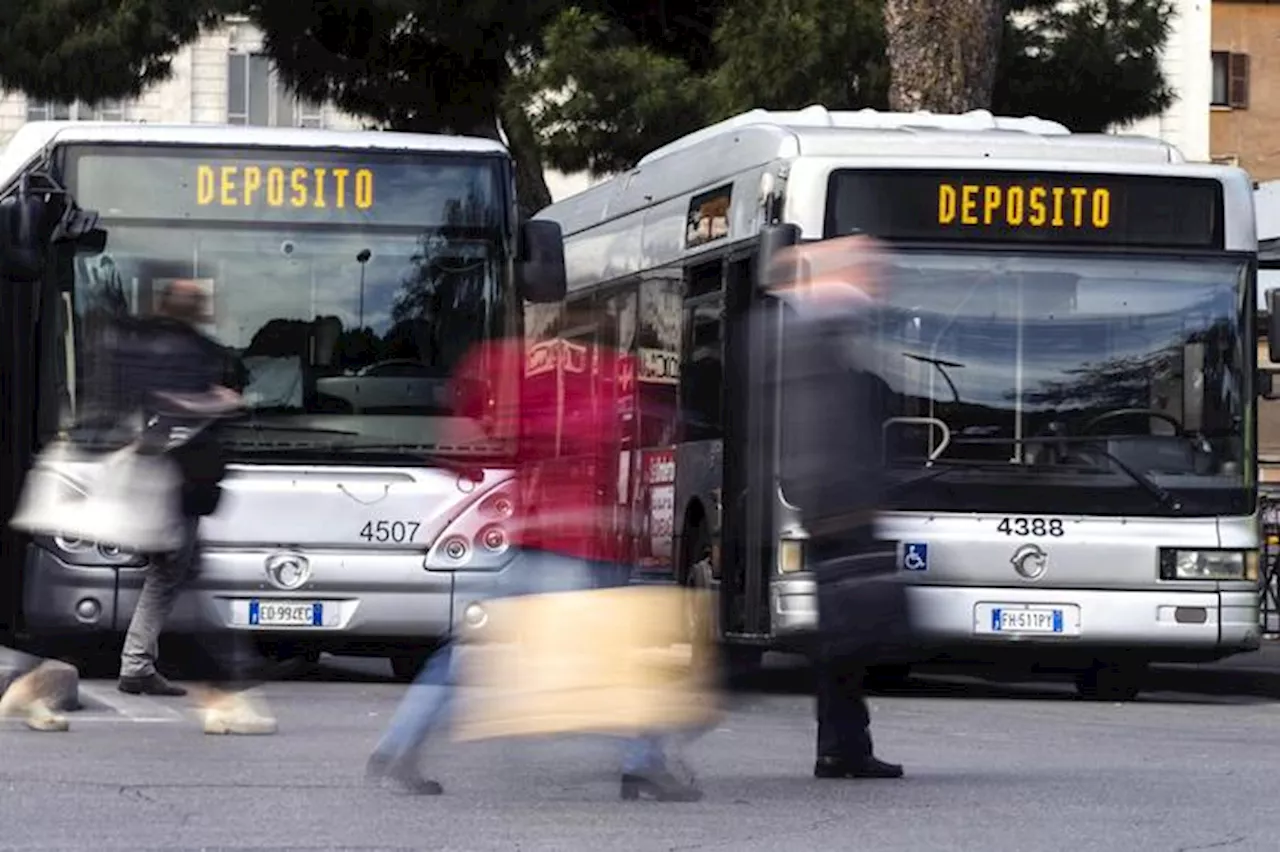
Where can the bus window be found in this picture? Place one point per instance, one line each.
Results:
(702, 372)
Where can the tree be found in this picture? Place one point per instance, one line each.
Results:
(943, 53)
(414, 65)
(95, 50)
(622, 92)
(1091, 64)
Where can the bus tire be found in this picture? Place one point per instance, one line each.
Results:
(406, 664)
(1111, 682)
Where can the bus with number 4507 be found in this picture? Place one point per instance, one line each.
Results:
(1066, 343)
(348, 274)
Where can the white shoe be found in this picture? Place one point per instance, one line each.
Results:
(234, 713)
(27, 697)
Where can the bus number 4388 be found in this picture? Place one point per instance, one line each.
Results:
(390, 531)
(1031, 526)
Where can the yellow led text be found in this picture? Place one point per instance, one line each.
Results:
(1024, 206)
(283, 186)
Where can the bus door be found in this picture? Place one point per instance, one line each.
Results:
(747, 530)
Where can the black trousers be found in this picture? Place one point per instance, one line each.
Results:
(844, 720)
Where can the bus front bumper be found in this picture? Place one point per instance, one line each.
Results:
(1203, 624)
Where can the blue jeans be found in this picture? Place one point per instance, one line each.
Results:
(431, 695)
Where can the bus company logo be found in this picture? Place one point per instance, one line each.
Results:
(1030, 561)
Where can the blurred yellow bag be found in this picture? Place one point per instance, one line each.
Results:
(595, 661)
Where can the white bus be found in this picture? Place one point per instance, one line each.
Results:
(349, 272)
(1070, 365)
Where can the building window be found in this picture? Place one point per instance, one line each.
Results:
(1230, 80)
(257, 96)
(50, 111)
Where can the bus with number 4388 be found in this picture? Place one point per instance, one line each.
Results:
(1065, 341)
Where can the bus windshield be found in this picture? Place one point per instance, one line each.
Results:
(345, 286)
(1037, 382)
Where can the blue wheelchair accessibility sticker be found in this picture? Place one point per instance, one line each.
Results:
(915, 557)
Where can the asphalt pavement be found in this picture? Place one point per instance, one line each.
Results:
(1017, 767)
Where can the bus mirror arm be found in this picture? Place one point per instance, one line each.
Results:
(540, 270)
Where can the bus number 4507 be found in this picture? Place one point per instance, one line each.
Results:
(390, 531)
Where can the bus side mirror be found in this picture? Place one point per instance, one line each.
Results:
(1273, 325)
(774, 239)
(21, 247)
(93, 242)
(540, 271)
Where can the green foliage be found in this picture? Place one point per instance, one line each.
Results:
(787, 54)
(600, 98)
(1090, 65)
(95, 50)
(410, 64)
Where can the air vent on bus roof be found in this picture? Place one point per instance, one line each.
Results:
(864, 119)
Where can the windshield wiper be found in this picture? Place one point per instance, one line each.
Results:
(473, 472)
(1160, 495)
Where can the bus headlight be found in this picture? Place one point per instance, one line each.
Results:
(1208, 564)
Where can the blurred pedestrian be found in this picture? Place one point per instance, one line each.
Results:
(561, 542)
(169, 372)
(833, 410)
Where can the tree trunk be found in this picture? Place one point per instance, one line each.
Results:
(942, 53)
(531, 181)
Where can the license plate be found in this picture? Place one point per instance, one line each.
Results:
(285, 614)
(1026, 620)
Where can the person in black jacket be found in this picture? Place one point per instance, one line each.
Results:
(833, 409)
(171, 374)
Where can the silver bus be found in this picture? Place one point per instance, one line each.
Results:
(1069, 361)
(349, 272)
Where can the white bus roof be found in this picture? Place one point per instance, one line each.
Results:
(35, 137)
(761, 136)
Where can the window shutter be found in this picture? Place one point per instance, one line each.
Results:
(1238, 96)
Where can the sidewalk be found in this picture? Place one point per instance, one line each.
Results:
(1254, 673)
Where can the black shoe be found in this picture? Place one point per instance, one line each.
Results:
(867, 767)
(152, 684)
(402, 774)
(661, 786)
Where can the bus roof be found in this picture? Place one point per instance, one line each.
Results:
(35, 137)
(755, 138)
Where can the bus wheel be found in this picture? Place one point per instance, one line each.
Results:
(1111, 682)
(405, 665)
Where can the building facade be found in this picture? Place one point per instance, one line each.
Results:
(222, 78)
(1244, 108)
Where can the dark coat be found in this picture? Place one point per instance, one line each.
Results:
(833, 406)
(160, 355)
